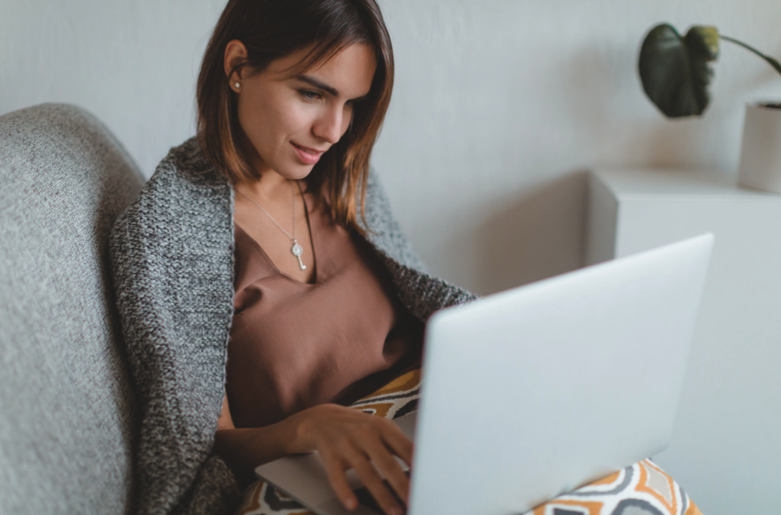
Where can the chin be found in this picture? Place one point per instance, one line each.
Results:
(297, 173)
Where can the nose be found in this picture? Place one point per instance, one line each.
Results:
(331, 125)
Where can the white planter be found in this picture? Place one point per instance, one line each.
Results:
(760, 155)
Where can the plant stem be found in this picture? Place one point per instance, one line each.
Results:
(774, 63)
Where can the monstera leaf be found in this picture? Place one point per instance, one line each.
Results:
(676, 71)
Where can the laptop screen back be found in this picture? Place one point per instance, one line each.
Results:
(532, 392)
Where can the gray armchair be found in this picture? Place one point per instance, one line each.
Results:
(67, 415)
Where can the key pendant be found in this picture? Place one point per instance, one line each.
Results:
(297, 250)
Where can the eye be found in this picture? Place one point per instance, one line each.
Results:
(309, 95)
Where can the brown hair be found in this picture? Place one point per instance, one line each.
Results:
(272, 29)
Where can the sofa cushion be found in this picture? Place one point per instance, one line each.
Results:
(67, 419)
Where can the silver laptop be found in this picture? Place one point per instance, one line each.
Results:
(532, 392)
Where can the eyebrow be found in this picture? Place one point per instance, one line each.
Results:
(325, 87)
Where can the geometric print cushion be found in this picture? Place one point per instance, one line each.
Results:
(641, 489)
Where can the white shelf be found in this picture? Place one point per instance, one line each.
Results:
(726, 451)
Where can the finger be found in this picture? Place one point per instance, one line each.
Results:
(392, 442)
(393, 472)
(373, 482)
(399, 444)
(335, 470)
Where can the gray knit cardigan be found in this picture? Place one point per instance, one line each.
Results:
(172, 261)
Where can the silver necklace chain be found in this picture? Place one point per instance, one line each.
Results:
(297, 250)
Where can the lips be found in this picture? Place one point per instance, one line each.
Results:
(308, 156)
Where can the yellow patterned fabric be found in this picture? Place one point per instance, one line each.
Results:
(641, 489)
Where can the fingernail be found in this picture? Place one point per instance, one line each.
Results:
(395, 511)
(351, 504)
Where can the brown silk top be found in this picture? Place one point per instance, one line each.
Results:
(294, 345)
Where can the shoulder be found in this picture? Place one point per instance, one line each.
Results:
(186, 203)
(377, 205)
(382, 229)
(184, 172)
(184, 187)
(421, 292)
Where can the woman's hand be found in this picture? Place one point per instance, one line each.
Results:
(347, 438)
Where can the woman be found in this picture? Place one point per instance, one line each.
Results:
(261, 280)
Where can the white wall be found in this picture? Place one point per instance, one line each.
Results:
(499, 108)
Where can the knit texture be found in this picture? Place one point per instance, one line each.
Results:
(172, 259)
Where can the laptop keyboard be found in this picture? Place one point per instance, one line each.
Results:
(366, 499)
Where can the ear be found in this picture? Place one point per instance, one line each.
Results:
(235, 54)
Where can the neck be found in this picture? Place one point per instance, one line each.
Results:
(269, 187)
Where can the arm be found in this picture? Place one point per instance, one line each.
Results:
(344, 437)
(245, 449)
(420, 292)
(175, 327)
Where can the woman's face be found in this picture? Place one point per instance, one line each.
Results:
(289, 122)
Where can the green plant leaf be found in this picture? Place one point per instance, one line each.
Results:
(676, 72)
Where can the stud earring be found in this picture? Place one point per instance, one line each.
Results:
(238, 85)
